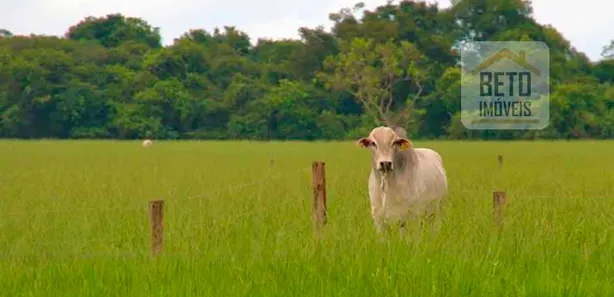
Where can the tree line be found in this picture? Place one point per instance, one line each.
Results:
(110, 77)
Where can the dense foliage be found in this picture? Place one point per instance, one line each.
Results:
(110, 77)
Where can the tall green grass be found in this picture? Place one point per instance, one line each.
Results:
(73, 221)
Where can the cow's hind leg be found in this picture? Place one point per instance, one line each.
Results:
(431, 217)
(407, 224)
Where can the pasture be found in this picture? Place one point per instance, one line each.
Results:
(74, 222)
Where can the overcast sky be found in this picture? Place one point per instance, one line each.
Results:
(588, 24)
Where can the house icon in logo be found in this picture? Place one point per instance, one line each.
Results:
(520, 59)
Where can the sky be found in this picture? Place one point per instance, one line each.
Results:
(588, 24)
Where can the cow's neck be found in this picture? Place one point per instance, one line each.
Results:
(403, 161)
(389, 183)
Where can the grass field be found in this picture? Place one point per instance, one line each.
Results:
(73, 221)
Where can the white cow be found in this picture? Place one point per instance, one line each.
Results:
(404, 181)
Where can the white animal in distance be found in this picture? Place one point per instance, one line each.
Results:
(147, 143)
(405, 182)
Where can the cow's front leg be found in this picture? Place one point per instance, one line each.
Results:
(378, 219)
(402, 228)
(377, 205)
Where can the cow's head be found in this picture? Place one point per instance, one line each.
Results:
(384, 143)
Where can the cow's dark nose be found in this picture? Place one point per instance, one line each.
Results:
(385, 165)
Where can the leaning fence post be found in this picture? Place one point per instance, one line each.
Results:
(319, 193)
(156, 217)
(499, 203)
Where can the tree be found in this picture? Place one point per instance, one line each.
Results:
(115, 29)
(482, 19)
(178, 60)
(5, 33)
(236, 39)
(370, 72)
(394, 64)
(608, 51)
(316, 45)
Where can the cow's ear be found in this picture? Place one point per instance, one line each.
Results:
(364, 142)
(403, 143)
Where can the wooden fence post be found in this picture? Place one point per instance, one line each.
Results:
(499, 202)
(319, 193)
(156, 217)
